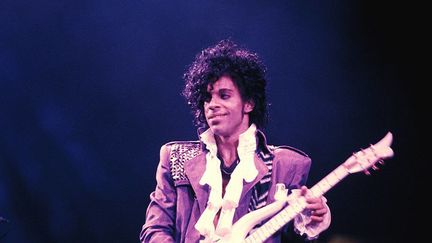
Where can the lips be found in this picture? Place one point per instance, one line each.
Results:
(213, 116)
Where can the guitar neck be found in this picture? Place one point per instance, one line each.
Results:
(293, 209)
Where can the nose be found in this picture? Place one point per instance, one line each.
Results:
(211, 104)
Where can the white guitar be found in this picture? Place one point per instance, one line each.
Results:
(359, 161)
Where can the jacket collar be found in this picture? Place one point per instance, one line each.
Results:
(262, 147)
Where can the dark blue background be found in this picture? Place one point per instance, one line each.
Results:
(90, 90)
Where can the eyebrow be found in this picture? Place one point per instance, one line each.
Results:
(226, 90)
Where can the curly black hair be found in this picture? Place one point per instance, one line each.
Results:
(241, 65)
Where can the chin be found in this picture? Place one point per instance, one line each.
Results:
(217, 130)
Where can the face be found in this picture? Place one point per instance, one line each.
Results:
(226, 113)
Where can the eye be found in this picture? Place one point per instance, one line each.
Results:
(224, 96)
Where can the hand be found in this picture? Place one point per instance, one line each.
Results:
(315, 205)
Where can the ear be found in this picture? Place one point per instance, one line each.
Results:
(249, 106)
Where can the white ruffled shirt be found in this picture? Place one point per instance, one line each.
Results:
(245, 170)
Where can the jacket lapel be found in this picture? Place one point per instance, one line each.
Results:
(262, 171)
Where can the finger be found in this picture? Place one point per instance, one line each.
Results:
(315, 205)
(319, 212)
(314, 200)
(316, 219)
(303, 191)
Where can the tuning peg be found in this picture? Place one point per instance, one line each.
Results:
(381, 161)
(374, 167)
(367, 172)
(372, 148)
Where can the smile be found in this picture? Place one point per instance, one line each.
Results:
(216, 116)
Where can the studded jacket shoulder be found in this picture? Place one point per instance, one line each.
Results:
(180, 152)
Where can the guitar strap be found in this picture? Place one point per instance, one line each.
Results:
(261, 189)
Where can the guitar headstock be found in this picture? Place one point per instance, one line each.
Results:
(367, 158)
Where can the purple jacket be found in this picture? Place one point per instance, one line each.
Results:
(179, 200)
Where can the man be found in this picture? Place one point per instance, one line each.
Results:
(204, 187)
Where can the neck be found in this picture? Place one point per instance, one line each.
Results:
(227, 149)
